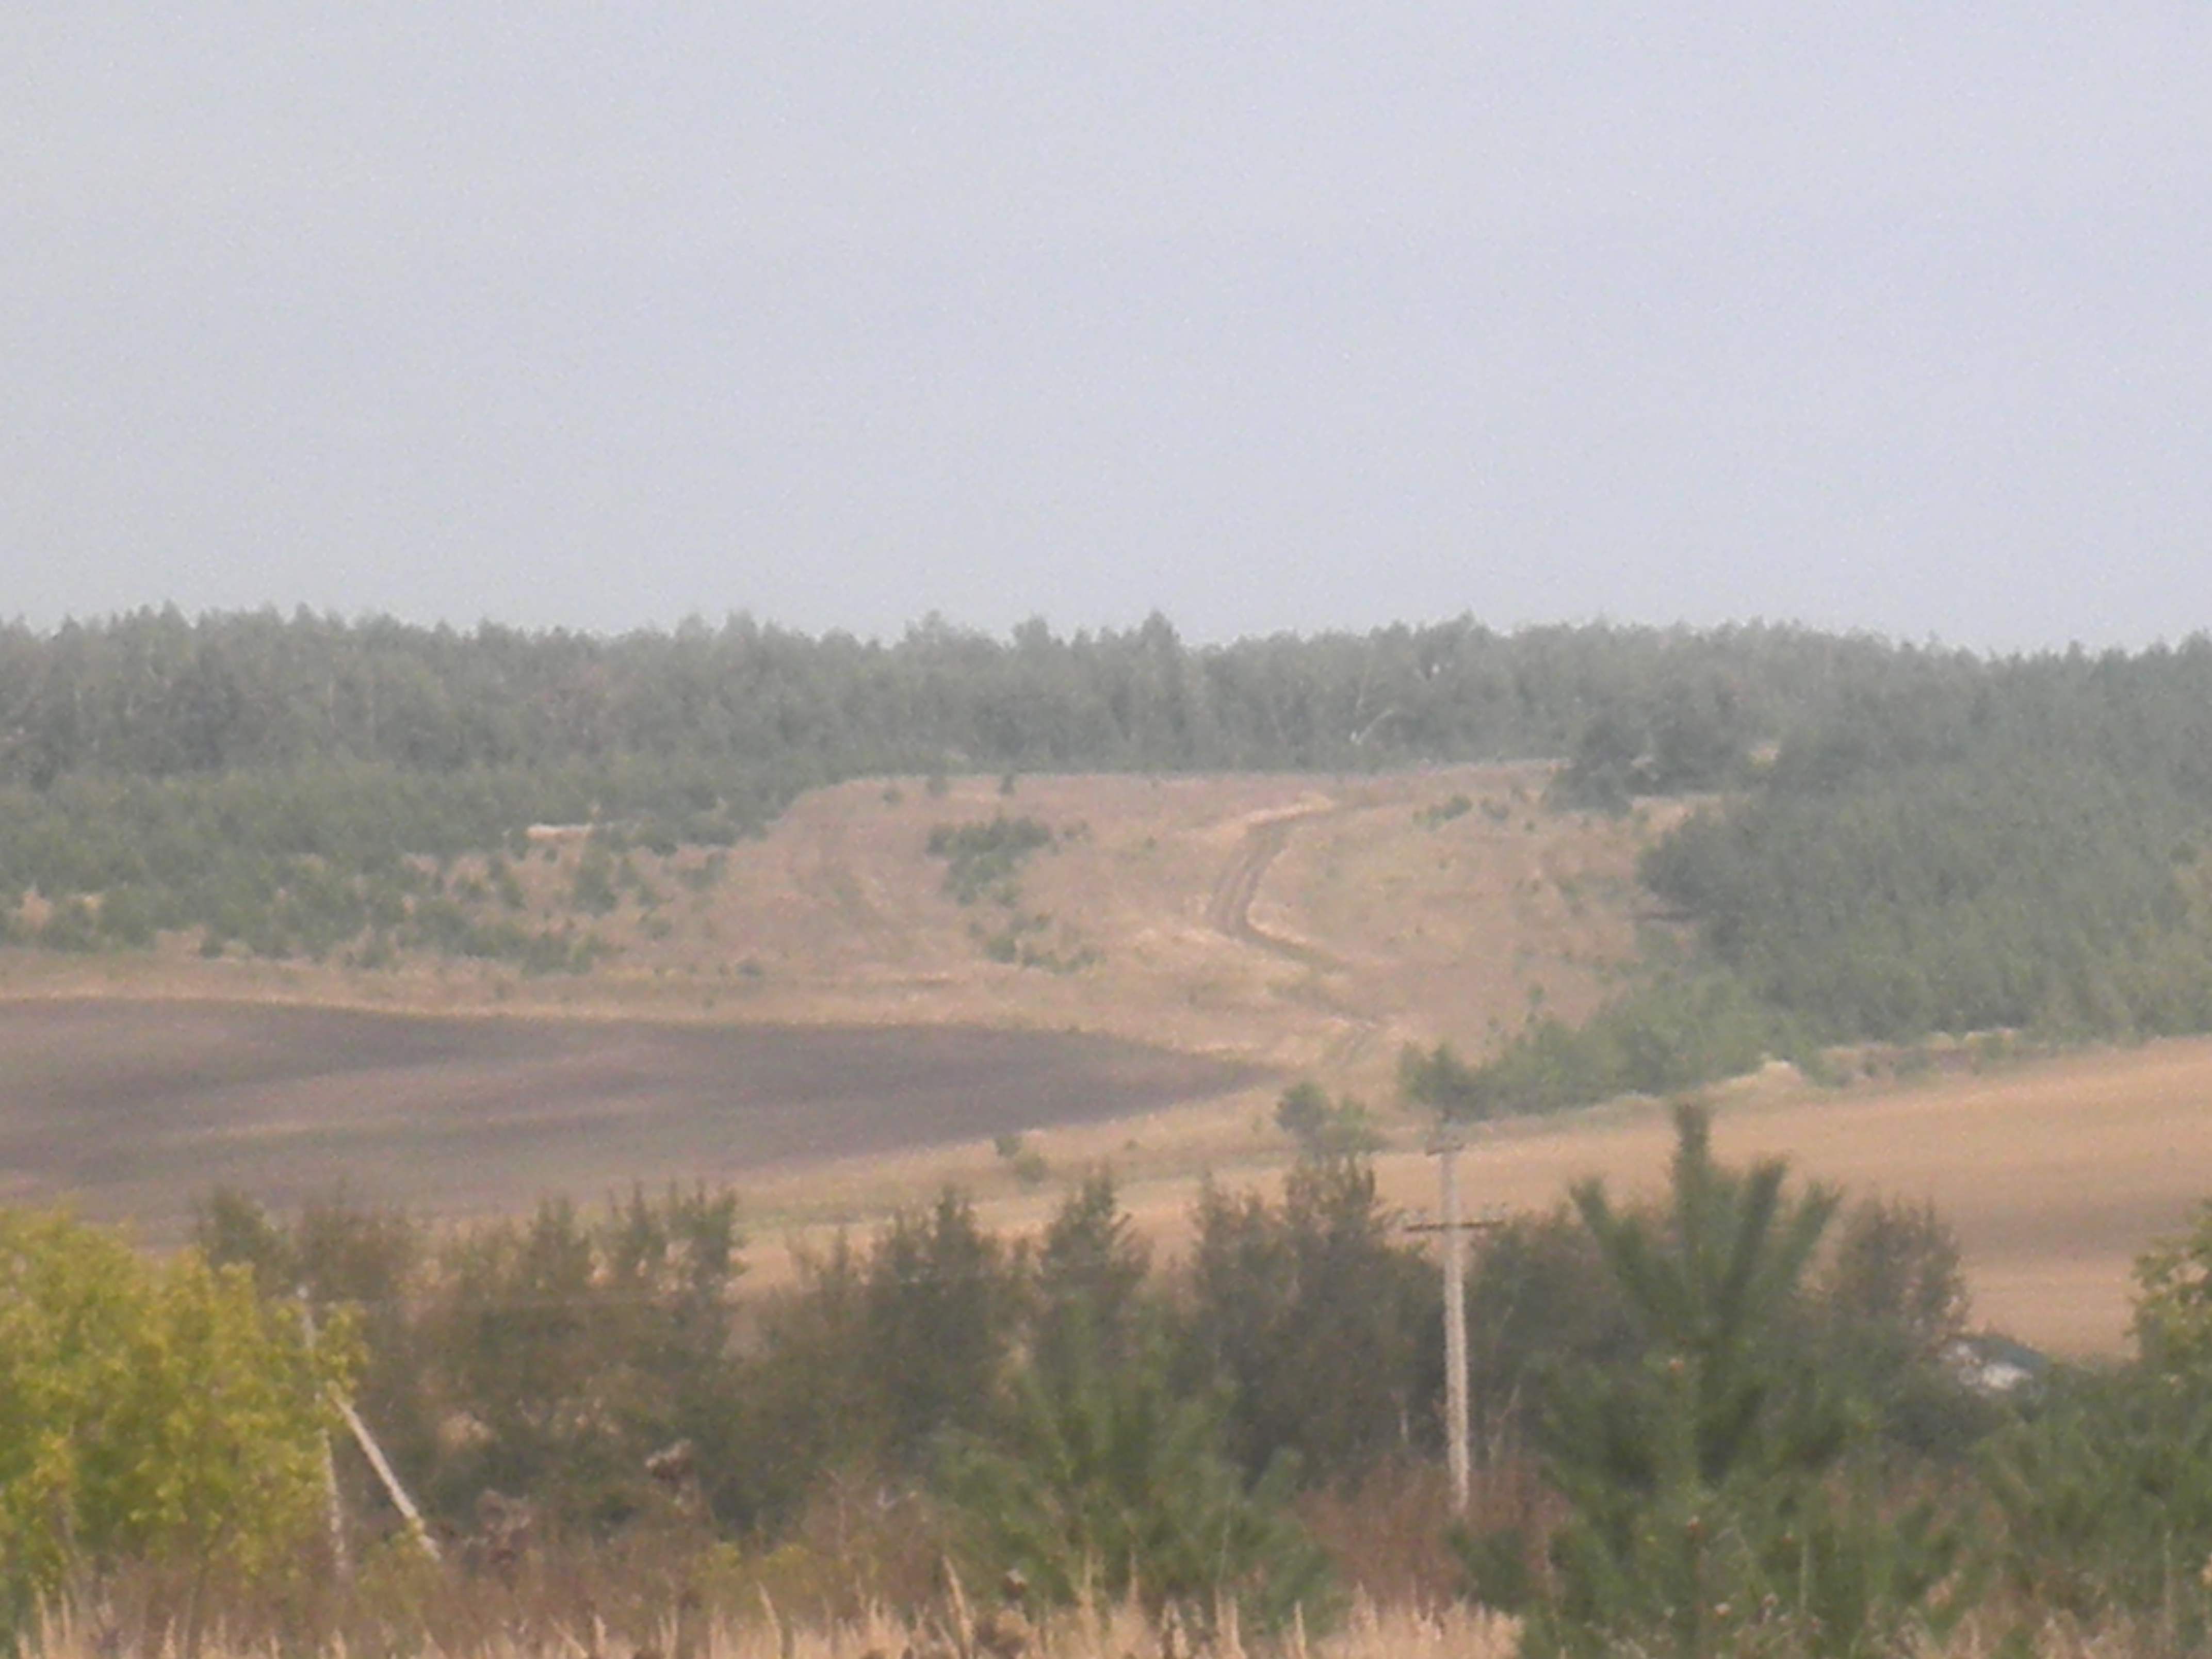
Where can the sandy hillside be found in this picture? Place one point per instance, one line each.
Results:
(1297, 922)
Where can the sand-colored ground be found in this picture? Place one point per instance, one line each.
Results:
(1302, 923)
(1288, 925)
(2056, 1173)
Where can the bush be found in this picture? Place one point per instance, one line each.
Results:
(1105, 1482)
(983, 861)
(1324, 1128)
(1673, 1034)
(160, 1413)
(1714, 1508)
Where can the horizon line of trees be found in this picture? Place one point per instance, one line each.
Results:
(155, 694)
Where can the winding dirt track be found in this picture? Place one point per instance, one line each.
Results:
(1230, 911)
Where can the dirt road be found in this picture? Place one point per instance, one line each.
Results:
(1230, 911)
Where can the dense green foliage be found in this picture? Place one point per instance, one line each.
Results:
(1674, 1031)
(157, 695)
(300, 786)
(1062, 1401)
(2023, 850)
(1952, 847)
(1705, 1507)
(1747, 1405)
(1320, 1322)
(159, 1413)
(1105, 1480)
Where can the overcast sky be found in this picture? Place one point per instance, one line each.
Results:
(1883, 316)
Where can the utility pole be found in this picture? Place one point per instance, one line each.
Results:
(1457, 1425)
(333, 1506)
(1457, 1414)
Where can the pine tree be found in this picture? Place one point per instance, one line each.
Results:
(1709, 1478)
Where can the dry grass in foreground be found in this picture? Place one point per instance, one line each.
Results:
(1124, 1632)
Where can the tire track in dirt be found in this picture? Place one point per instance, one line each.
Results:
(1228, 912)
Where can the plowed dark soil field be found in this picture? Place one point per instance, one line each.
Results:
(133, 1109)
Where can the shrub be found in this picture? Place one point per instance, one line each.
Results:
(1713, 1506)
(163, 1412)
(982, 861)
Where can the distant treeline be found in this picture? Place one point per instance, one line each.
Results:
(1962, 847)
(157, 695)
(297, 786)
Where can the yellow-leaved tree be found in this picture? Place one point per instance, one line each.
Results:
(153, 1412)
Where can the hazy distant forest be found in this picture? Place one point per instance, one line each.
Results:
(1732, 1423)
(1901, 840)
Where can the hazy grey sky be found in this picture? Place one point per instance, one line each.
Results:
(1893, 316)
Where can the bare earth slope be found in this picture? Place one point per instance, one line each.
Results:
(1197, 941)
(1297, 922)
(1292, 921)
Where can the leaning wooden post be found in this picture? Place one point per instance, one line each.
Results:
(377, 1460)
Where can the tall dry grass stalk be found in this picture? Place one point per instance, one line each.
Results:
(1122, 1633)
(1125, 1632)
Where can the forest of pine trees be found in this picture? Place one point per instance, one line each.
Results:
(1893, 840)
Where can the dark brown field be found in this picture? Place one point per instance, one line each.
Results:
(132, 1110)
(822, 1027)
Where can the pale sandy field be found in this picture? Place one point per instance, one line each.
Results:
(2056, 1173)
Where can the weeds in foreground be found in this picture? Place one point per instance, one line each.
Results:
(952, 1630)
(955, 1629)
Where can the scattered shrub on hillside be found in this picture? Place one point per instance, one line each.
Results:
(1325, 1128)
(1028, 1164)
(984, 860)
